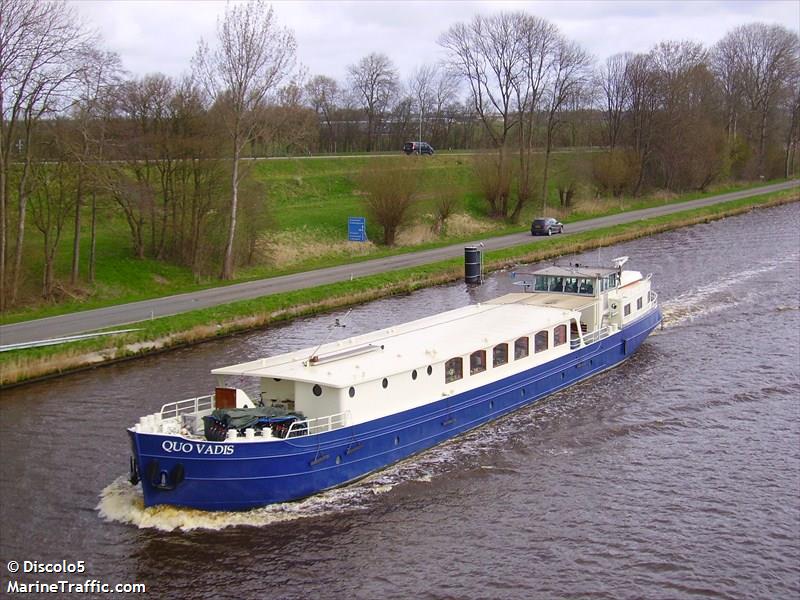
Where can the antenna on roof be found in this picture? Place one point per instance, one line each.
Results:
(618, 262)
(336, 323)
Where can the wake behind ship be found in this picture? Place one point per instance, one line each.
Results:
(332, 414)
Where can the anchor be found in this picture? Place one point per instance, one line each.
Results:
(161, 480)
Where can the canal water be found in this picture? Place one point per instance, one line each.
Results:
(675, 475)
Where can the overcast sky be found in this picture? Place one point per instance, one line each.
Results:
(162, 35)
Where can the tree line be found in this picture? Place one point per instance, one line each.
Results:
(166, 154)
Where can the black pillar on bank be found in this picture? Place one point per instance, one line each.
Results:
(473, 265)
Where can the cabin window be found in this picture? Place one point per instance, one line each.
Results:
(540, 342)
(316, 390)
(477, 362)
(639, 304)
(627, 309)
(500, 355)
(352, 392)
(586, 287)
(453, 369)
(556, 284)
(571, 285)
(560, 335)
(521, 348)
(612, 280)
(540, 283)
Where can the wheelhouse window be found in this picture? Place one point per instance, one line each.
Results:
(540, 283)
(556, 284)
(540, 342)
(586, 286)
(477, 362)
(627, 309)
(521, 348)
(453, 369)
(500, 355)
(639, 304)
(612, 281)
(560, 335)
(571, 285)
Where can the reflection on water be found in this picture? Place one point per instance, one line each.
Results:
(674, 475)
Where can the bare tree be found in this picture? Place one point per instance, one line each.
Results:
(614, 82)
(765, 57)
(374, 83)
(422, 87)
(643, 108)
(95, 85)
(487, 53)
(390, 190)
(539, 41)
(252, 57)
(52, 199)
(40, 43)
(568, 75)
(323, 95)
(724, 63)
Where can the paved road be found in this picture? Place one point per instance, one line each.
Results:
(124, 314)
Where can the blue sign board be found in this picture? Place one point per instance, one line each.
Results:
(357, 229)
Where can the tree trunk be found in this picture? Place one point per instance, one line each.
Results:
(92, 244)
(548, 147)
(76, 242)
(227, 267)
(23, 204)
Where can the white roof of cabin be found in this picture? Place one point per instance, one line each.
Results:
(411, 345)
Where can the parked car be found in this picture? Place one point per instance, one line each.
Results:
(547, 226)
(418, 148)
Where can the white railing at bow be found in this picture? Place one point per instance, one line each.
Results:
(191, 406)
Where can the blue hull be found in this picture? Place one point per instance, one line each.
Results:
(220, 476)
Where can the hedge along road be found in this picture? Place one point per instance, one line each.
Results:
(123, 314)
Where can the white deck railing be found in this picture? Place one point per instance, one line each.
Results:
(318, 425)
(190, 406)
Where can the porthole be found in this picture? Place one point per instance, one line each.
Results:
(317, 390)
(591, 362)
(430, 369)
(491, 403)
(275, 379)
(522, 392)
(338, 460)
(563, 374)
(414, 374)
(385, 383)
(352, 391)
(397, 440)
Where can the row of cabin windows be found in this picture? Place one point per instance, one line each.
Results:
(317, 390)
(639, 304)
(454, 368)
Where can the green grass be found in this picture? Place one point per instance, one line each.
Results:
(310, 198)
(222, 320)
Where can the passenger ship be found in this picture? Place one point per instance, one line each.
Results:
(329, 415)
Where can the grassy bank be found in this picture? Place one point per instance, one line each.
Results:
(310, 201)
(196, 326)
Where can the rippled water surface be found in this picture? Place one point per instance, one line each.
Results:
(676, 475)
